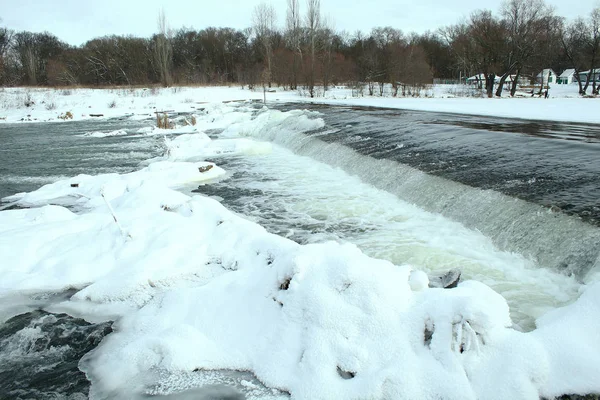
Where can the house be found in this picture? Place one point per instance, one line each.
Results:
(583, 75)
(567, 77)
(521, 81)
(546, 76)
(475, 79)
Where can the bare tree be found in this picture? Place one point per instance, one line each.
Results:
(293, 36)
(263, 22)
(163, 52)
(527, 24)
(581, 45)
(486, 42)
(313, 24)
(326, 38)
(5, 43)
(594, 46)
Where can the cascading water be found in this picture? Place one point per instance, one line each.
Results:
(550, 238)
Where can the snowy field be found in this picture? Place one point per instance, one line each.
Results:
(195, 287)
(52, 104)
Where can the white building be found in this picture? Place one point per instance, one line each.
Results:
(567, 77)
(583, 75)
(546, 76)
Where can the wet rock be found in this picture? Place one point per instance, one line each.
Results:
(447, 281)
(345, 374)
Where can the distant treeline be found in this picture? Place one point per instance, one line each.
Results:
(523, 38)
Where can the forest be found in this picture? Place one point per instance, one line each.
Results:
(306, 53)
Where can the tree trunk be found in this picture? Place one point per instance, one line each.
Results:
(489, 84)
(501, 84)
(577, 73)
(513, 89)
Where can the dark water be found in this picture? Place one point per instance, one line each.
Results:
(441, 163)
(550, 163)
(34, 154)
(40, 353)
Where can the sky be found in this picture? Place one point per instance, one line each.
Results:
(76, 21)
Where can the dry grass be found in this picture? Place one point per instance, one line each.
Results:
(66, 116)
(162, 121)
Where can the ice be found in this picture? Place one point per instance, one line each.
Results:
(105, 134)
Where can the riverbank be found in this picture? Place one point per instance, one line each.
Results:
(45, 105)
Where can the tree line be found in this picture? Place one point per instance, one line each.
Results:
(307, 53)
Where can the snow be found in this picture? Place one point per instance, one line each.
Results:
(193, 286)
(564, 103)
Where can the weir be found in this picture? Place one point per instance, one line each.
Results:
(550, 238)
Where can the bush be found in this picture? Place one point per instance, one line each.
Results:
(112, 104)
(51, 106)
(66, 116)
(28, 100)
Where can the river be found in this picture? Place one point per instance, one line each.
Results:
(512, 203)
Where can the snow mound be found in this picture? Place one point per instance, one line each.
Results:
(86, 190)
(269, 123)
(200, 147)
(196, 287)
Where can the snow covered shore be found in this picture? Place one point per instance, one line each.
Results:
(53, 104)
(193, 286)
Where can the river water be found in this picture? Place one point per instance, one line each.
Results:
(512, 203)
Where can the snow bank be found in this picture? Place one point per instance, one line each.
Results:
(198, 287)
(193, 286)
(52, 104)
(86, 190)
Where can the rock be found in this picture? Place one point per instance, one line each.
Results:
(447, 281)
(345, 374)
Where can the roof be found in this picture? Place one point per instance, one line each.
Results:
(567, 73)
(475, 77)
(546, 71)
(596, 71)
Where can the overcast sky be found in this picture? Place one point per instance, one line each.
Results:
(76, 21)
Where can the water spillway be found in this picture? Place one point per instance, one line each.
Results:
(532, 188)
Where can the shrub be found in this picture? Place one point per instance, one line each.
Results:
(51, 106)
(28, 100)
(112, 104)
(66, 116)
